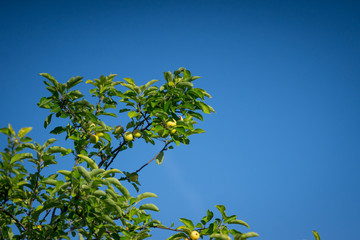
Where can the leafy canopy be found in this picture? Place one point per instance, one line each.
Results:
(91, 200)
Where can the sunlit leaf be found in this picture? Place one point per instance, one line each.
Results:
(149, 206)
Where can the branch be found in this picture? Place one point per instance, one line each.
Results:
(13, 217)
(116, 151)
(166, 228)
(162, 150)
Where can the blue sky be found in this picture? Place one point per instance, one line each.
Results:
(282, 149)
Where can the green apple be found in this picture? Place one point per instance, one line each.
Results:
(136, 133)
(173, 131)
(128, 136)
(119, 130)
(134, 177)
(94, 139)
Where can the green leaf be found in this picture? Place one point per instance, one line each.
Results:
(316, 235)
(208, 217)
(92, 163)
(57, 149)
(73, 82)
(221, 208)
(160, 158)
(199, 130)
(186, 74)
(129, 81)
(58, 130)
(99, 193)
(5, 131)
(20, 156)
(11, 130)
(240, 222)
(149, 206)
(168, 76)
(132, 114)
(24, 131)
(148, 84)
(50, 78)
(49, 142)
(185, 84)
(64, 172)
(48, 120)
(248, 235)
(84, 173)
(119, 186)
(145, 195)
(96, 172)
(205, 108)
(220, 236)
(187, 223)
(180, 235)
(108, 172)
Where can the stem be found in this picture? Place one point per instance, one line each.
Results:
(115, 152)
(162, 150)
(166, 228)
(13, 217)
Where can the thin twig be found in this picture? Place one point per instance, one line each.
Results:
(162, 150)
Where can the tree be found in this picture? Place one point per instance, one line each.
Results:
(91, 200)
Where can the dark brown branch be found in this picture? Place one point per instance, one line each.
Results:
(13, 217)
(116, 151)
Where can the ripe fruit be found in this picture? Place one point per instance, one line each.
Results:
(119, 130)
(194, 235)
(128, 136)
(94, 139)
(134, 177)
(136, 133)
(171, 123)
(173, 131)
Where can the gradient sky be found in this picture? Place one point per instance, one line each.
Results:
(282, 150)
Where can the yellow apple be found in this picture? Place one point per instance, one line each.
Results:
(119, 130)
(173, 131)
(128, 136)
(194, 235)
(94, 139)
(136, 133)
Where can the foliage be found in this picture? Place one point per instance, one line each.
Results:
(91, 200)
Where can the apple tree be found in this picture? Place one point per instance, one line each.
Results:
(91, 200)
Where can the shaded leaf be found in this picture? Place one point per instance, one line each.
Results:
(160, 158)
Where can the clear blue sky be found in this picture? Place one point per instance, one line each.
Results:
(282, 151)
